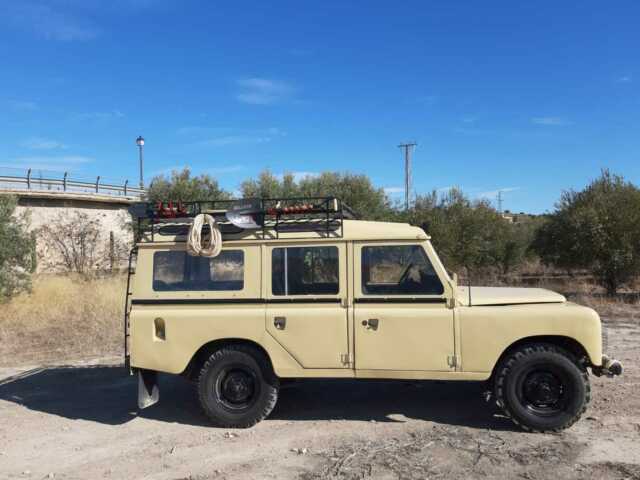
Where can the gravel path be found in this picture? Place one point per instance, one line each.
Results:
(81, 421)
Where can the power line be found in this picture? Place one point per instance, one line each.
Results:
(408, 150)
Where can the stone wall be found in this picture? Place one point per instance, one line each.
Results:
(111, 215)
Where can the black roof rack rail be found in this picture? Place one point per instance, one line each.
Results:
(265, 218)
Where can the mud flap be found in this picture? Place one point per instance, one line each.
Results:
(148, 392)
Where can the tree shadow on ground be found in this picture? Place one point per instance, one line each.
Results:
(107, 395)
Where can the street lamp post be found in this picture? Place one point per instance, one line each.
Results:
(140, 143)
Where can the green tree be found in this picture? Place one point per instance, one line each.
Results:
(268, 185)
(466, 234)
(514, 242)
(17, 250)
(181, 186)
(598, 229)
(357, 191)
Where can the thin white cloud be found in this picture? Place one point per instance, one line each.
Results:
(39, 143)
(113, 114)
(23, 105)
(493, 194)
(168, 170)
(47, 22)
(469, 119)
(58, 163)
(393, 190)
(222, 137)
(227, 140)
(624, 79)
(263, 91)
(226, 169)
(215, 171)
(551, 121)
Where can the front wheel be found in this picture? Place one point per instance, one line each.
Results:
(237, 387)
(542, 388)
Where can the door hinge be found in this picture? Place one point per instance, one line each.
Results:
(346, 359)
(453, 361)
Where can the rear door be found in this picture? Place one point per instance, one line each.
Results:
(306, 302)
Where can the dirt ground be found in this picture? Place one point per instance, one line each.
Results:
(81, 422)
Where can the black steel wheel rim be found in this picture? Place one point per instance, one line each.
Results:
(237, 387)
(544, 390)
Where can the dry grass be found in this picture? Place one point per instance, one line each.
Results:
(612, 309)
(63, 318)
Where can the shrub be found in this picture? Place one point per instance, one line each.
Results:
(17, 250)
(80, 244)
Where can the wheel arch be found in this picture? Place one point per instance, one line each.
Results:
(204, 352)
(569, 344)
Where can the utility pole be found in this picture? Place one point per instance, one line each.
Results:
(500, 202)
(408, 150)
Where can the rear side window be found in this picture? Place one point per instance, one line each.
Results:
(304, 271)
(398, 270)
(175, 271)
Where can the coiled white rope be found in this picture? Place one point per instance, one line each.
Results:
(212, 246)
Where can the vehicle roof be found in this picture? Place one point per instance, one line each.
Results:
(351, 230)
(364, 230)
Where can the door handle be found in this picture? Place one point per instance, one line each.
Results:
(372, 323)
(280, 322)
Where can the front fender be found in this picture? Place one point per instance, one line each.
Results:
(486, 332)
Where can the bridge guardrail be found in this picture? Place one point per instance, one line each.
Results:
(66, 184)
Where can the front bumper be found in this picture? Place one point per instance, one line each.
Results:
(609, 367)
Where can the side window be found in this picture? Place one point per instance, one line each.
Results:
(175, 271)
(398, 270)
(304, 271)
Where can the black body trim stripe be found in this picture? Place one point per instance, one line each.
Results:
(400, 300)
(229, 301)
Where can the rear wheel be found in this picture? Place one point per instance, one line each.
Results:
(542, 387)
(237, 387)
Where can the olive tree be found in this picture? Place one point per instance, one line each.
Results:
(597, 229)
(468, 234)
(357, 191)
(182, 186)
(17, 250)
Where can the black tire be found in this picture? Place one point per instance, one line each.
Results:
(237, 387)
(542, 387)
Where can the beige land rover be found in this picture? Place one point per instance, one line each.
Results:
(240, 295)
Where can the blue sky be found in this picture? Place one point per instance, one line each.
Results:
(528, 97)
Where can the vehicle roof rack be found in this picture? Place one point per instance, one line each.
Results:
(263, 218)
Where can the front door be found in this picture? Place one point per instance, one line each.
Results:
(306, 310)
(402, 321)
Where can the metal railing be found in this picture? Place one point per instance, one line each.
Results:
(36, 181)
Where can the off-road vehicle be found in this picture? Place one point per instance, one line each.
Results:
(298, 288)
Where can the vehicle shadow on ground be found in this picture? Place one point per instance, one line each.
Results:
(107, 395)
